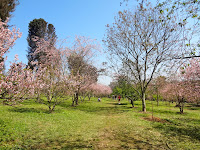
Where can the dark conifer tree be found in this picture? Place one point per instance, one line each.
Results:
(42, 30)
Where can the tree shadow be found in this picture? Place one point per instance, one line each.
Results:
(59, 144)
(172, 112)
(78, 145)
(99, 109)
(123, 139)
(181, 130)
(118, 104)
(103, 110)
(28, 110)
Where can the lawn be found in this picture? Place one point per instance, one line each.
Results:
(99, 125)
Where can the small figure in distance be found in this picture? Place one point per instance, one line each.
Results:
(119, 98)
(99, 99)
(113, 96)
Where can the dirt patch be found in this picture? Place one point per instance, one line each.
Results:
(155, 119)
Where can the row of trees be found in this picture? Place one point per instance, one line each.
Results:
(52, 74)
(185, 86)
(182, 87)
(151, 39)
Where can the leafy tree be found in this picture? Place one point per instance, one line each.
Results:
(141, 42)
(40, 29)
(123, 87)
(6, 8)
(188, 12)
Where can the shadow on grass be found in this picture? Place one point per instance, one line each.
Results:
(116, 103)
(108, 108)
(103, 110)
(134, 141)
(193, 107)
(180, 129)
(28, 110)
(171, 112)
(77, 145)
(58, 144)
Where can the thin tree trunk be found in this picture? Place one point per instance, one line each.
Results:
(152, 109)
(73, 100)
(143, 103)
(181, 105)
(132, 103)
(76, 98)
(157, 99)
(50, 110)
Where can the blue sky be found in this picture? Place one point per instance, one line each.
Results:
(69, 17)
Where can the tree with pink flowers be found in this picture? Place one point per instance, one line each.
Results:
(79, 60)
(185, 86)
(99, 90)
(191, 75)
(52, 84)
(7, 40)
(12, 84)
(17, 84)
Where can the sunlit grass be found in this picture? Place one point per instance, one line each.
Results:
(99, 125)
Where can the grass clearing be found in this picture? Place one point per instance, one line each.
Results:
(99, 125)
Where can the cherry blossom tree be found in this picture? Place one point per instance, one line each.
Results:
(100, 90)
(80, 60)
(17, 84)
(191, 75)
(10, 84)
(175, 90)
(185, 86)
(50, 79)
(7, 40)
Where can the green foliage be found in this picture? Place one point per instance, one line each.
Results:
(41, 29)
(123, 88)
(6, 8)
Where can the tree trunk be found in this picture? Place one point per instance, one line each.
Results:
(76, 98)
(73, 100)
(152, 109)
(143, 103)
(181, 109)
(132, 103)
(89, 96)
(50, 110)
(157, 99)
(181, 105)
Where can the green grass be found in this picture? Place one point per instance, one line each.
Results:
(99, 125)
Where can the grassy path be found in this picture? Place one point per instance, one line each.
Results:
(98, 125)
(118, 132)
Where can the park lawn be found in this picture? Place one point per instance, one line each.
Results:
(99, 125)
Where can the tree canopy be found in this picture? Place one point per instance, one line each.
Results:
(40, 29)
(6, 8)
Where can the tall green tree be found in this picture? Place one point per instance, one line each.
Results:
(6, 8)
(42, 30)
